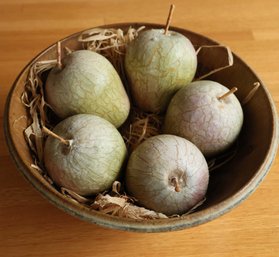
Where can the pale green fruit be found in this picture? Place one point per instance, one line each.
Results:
(157, 65)
(156, 164)
(196, 113)
(87, 83)
(94, 158)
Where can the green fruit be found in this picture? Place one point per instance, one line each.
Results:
(167, 174)
(157, 66)
(92, 161)
(196, 113)
(87, 83)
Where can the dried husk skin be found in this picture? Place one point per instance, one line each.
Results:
(157, 65)
(153, 165)
(94, 159)
(87, 83)
(213, 125)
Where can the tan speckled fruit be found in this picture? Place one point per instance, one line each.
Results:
(196, 113)
(87, 83)
(157, 66)
(167, 174)
(94, 158)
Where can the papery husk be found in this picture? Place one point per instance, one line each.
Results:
(141, 125)
(75, 197)
(42, 172)
(100, 39)
(33, 99)
(220, 160)
(118, 206)
(200, 203)
(251, 93)
(123, 206)
(209, 52)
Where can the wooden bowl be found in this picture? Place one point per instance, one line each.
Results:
(228, 186)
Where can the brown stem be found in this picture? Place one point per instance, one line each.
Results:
(234, 89)
(169, 19)
(50, 133)
(176, 184)
(59, 62)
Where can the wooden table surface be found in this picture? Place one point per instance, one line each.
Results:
(31, 226)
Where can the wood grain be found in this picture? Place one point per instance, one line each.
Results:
(31, 226)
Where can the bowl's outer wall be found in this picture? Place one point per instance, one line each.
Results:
(229, 185)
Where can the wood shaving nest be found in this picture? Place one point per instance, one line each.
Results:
(141, 126)
(121, 207)
(33, 99)
(111, 43)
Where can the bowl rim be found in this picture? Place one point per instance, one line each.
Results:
(158, 225)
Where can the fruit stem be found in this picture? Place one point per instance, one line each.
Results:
(176, 184)
(51, 133)
(169, 19)
(59, 62)
(234, 89)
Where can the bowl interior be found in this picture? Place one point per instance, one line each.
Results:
(229, 184)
